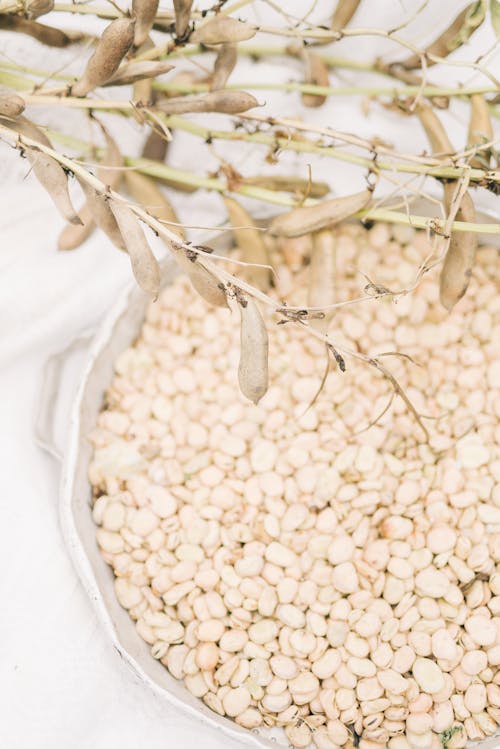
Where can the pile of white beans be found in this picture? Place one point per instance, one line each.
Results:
(293, 566)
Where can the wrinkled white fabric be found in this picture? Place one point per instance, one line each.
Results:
(61, 684)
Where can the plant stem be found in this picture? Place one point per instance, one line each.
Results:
(309, 88)
(274, 197)
(303, 145)
(306, 146)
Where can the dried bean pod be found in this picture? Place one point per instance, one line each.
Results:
(155, 146)
(144, 190)
(223, 65)
(343, 13)
(142, 91)
(111, 48)
(54, 179)
(144, 12)
(144, 264)
(459, 261)
(480, 131)
(317, 74)
(313, 218)
(137, 71)
(222, 29)
(99, 208)
(253, 373)
(47, 35)
(289, 183)
(226, 102)
(458, 32)
(37, 8)
(46, 169)
(321, 291)
(73, 236)
(11, 105)
(436, 134)
(182, 9)
(204, 282)
(251, 244)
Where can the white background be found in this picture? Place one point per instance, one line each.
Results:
(61, 684)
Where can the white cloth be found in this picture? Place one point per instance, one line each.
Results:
(61, 684)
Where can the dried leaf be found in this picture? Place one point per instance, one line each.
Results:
(459, 261)
(225, 61)
(253, 373)
(144, 264)
(251, 244)
(146, 192)
(322, 271)
(113, 45)
(222, 29)
(320, 216)
(144, 12)
(224, 101)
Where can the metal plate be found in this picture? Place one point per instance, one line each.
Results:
(118, 331)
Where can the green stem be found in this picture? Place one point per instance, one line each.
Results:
(286, 144)
(162, 171)
(306, 146)
(309, 88)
